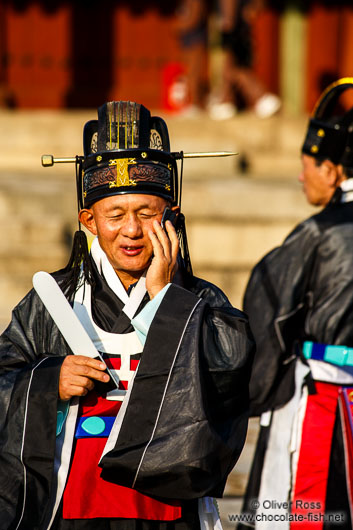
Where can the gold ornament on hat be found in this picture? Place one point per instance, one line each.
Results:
(122, 172)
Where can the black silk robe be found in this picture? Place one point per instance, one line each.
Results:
(300, 291)
(198, 355)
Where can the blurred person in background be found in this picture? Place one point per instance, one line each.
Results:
(192, 25)
(300, 304)
(238, 77)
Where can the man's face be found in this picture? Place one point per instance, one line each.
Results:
(317, 181)
(122, 223)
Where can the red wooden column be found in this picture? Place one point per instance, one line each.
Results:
(143, 46)
(119, 52)
(266, 48)
(3, 56)
(38, 50)
(346, 51)
(322, 51)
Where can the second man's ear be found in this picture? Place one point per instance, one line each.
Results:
(330, 173)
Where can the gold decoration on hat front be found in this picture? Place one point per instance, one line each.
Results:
(314, 149)
(321, 133)
(122, 172)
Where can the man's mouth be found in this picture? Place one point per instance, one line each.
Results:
(131, 251)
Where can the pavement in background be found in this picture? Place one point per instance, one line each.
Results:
(229, 506)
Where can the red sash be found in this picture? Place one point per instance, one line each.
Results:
(346, 411)
(313, 464)
(88, 496)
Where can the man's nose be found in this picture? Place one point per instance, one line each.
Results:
(301, 176)
(132, 226)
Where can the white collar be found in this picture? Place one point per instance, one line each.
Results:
(131, 301)
(347, 190)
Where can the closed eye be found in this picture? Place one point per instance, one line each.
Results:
(115, 217)
(147, 215)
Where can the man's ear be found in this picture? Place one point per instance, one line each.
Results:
(341, 174)
(175, 209)
(331, 173)
(86, 217)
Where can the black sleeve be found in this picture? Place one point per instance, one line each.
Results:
(29, 376)
(276, 300)
(186, 421)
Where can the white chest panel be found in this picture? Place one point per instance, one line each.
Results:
(125, 345)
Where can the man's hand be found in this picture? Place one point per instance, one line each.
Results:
(164, 261)
(77, 374)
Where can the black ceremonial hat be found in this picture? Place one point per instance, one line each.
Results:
(328, 135)
(126, 151)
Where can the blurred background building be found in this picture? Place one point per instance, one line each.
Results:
(59, 60)
(53, 52)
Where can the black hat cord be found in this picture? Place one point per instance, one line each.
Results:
(79, 265)
(181, 232)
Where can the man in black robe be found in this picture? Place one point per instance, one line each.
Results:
(300, 305)
(148, 446)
